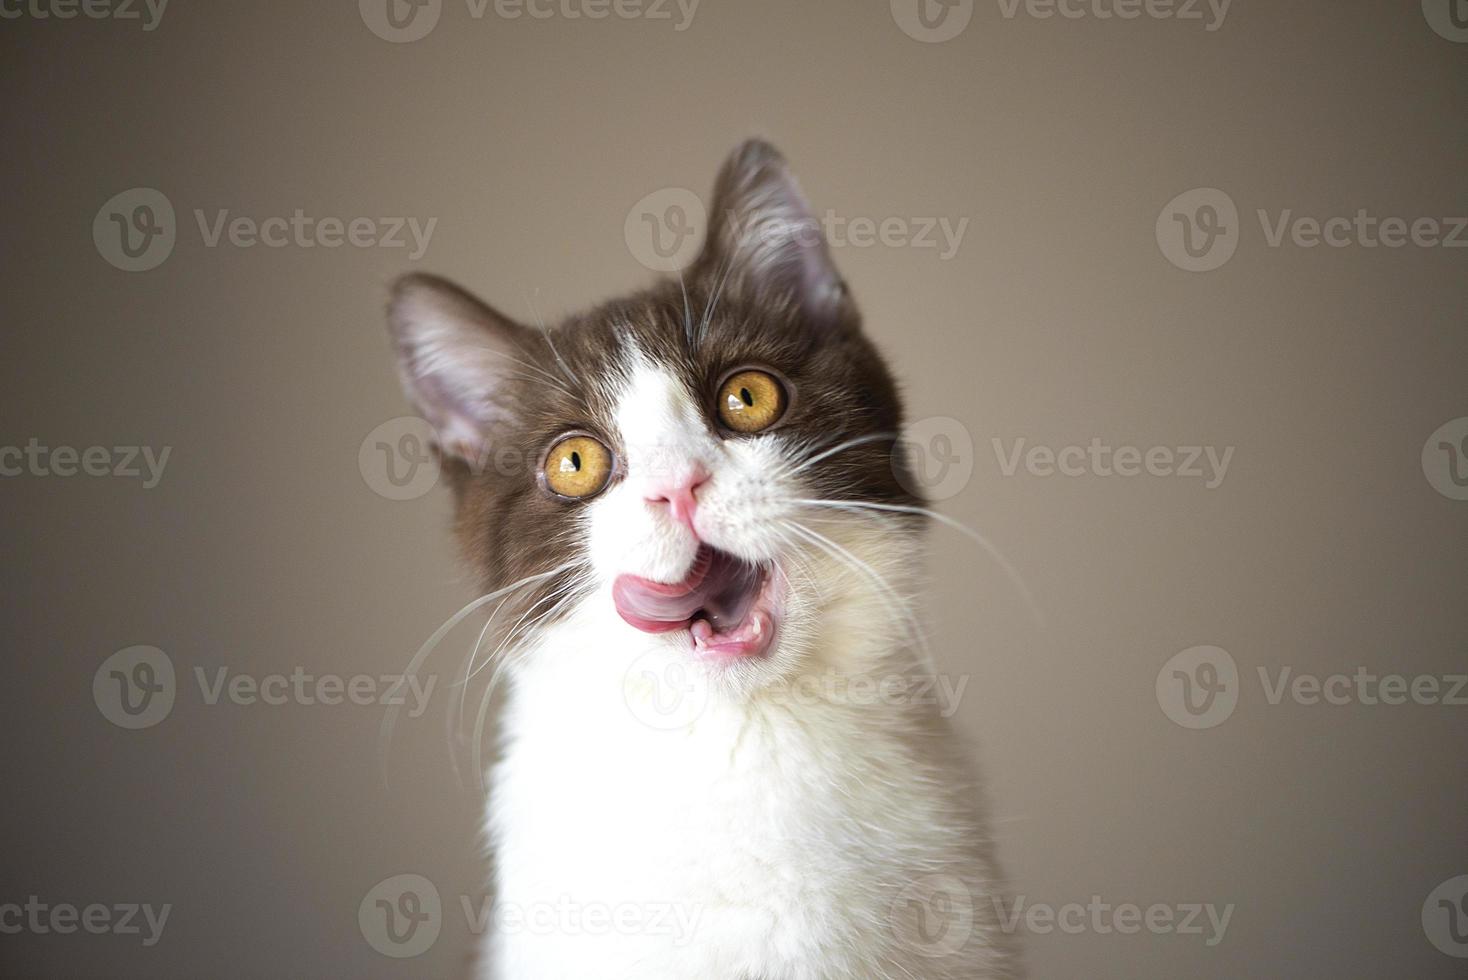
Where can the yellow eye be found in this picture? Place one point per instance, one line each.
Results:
(751, 401)
(577, 466)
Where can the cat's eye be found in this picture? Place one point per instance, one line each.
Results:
(751, 401)
(577, 466)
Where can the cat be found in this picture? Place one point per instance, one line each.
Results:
(715, 762)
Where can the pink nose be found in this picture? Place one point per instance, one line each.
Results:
(678, 493)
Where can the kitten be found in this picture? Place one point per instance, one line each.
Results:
(718, 759)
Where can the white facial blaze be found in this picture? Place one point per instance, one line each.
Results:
(665, 433)
(663, 430)
(832, 608)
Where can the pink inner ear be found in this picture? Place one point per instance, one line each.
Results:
(769, 234)
(456, 358)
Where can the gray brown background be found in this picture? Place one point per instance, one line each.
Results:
(1059, 320)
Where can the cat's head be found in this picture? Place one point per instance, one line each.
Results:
(661, 454)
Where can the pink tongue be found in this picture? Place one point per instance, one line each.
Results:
(720, 586)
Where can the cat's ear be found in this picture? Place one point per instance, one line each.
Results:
(456, 357)
(763, 230)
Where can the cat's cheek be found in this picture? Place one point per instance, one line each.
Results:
(747, 506)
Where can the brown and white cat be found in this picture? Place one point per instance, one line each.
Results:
(714, 763)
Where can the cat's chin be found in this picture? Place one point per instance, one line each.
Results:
(726, 608)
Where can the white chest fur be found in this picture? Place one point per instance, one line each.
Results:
(645, 825)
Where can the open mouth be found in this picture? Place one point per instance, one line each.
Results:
(724, 602)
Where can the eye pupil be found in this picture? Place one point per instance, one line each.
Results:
(577, 466)
(751, 401)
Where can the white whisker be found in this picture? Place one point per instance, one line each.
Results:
(545, 332)
(848, 444)
(389, 720)
(885, 590)
(989, 547)
(687, 313)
